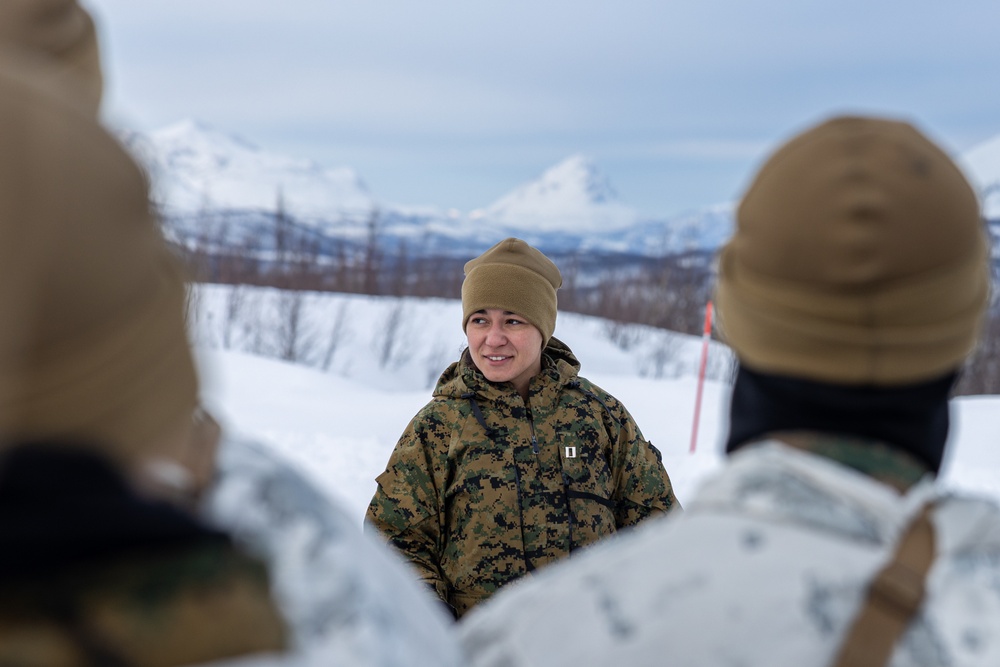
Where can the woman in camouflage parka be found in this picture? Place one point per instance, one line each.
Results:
(517, 460)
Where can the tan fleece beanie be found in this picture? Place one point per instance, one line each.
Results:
(859, 258)
(93, 347)
(60, 35)
(516, 277)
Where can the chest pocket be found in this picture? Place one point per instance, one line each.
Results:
(589, 482)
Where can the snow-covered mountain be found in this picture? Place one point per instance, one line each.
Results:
(572, 196)
(196, 167)
(203, 176)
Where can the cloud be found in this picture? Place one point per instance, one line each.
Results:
(453, 83)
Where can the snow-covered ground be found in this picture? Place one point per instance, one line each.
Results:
(337, 415)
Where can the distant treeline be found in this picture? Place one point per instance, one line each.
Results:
(668, 292)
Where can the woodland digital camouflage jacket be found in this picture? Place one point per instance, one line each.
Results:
(482, 489)
(180, 607)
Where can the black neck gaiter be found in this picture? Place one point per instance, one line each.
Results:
(913, 418)
(63, 507)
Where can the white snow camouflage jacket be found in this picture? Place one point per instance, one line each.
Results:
(768, 566)
(348, 600)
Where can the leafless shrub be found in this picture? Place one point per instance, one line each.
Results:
(666, 354)
(623, 334)
(235, 302)
(254, 333)
(292, 339)
(372, 255)
(386, 337)
(192, 308)
(335, 335)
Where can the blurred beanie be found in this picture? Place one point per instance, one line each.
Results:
(859, 258)
(515, 277)
(93, 346)
(60, 35)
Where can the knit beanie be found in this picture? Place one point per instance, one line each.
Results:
(60, 35)
(859, 258)
(93, 345)
(515, 277)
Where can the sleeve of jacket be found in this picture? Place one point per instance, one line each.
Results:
(642, 485)
(406, 506)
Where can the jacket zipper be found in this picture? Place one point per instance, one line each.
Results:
(478, 413)
(565, 481)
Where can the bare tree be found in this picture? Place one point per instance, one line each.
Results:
(192, 309)
(336, 335)
(293, 342)
(372, 255)
(623, 334)
(665, 352)
(571, 275)
(400, 272)
(282, 241)
(386, 340)
(253, 330)
(235, 302)
(341, 268)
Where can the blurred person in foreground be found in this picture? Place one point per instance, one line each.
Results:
(852, 291)
(97, 391)
(60, 36)
(517, 461)
(98, 381)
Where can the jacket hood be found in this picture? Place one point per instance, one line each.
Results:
(462, 377)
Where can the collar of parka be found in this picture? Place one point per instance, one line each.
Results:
(880, 461)
(461, 378)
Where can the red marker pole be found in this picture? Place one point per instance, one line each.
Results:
(706, 335)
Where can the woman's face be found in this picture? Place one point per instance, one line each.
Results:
(505, 347)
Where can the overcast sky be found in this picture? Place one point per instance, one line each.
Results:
(456, 102)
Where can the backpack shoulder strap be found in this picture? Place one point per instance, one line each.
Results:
(894, 596)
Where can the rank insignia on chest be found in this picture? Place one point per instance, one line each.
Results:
(570, 452)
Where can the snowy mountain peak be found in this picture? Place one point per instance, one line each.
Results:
(196, 166)
(578, 172)
(190, 136)
(572, 196)
(188, 129)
